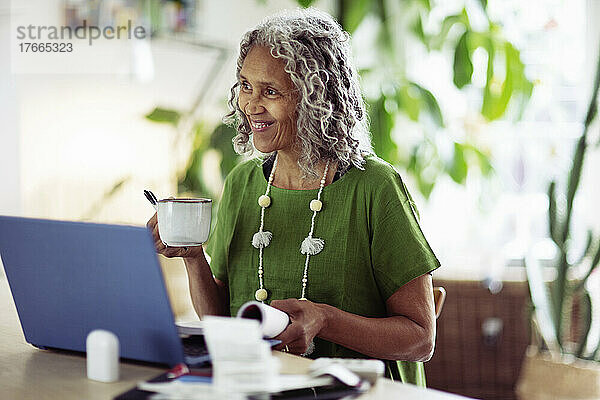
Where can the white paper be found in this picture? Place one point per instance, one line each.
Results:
(272, 321)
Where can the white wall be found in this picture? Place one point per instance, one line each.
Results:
(10, 190)
(590, 190)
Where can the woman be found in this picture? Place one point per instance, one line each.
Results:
(321, 228)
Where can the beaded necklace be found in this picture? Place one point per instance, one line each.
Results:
(310, 245)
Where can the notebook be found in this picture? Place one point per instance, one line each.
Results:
(69, 278)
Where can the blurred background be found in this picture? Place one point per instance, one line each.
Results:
(479, 104)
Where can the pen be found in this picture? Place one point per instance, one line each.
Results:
(177, 371)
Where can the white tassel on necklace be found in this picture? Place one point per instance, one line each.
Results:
(310, 245)
(261, 239)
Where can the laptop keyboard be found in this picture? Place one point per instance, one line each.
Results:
(194, 346)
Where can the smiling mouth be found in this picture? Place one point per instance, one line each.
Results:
(261, 125)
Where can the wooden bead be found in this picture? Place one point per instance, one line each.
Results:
(316, 205)
(264, 201)
(261, 295)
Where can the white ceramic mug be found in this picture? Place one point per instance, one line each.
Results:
(184, 222)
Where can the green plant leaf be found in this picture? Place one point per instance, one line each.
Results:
(385, 38)
(483, 160)
(464, 17)
(553, 217)
(192, 181)
(417, 29)
(425, 187)
(494, 101)
(459, 167)
(593, 265)
(593, 105)
(520, 99)
(305, 3)
(116, 187)
(463, 67)
(220, 139)
(585, 322)
(588, 245)
(425, 4)
(416, 166)
(164, 115)
(381, 130)
(431, 103)
(97, 207)
(437, 41)
(559, 294)
(523, 87)
(409, 99)
(595, 259)
(573, 183)
(354, 13)
(499, 91)
(490, 106)
(576, 171)
(485, 165)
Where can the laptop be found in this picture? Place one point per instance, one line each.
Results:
(69, 278)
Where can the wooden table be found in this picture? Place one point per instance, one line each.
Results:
(29, 373)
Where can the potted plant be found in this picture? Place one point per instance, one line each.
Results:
(564, 364)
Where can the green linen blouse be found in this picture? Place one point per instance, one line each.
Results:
(373, 245)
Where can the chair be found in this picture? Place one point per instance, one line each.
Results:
(439, 296)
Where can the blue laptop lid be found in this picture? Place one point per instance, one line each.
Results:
(69, 278)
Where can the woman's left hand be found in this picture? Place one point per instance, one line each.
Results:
(307, 319)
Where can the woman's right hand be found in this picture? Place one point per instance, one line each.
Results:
(161, 248)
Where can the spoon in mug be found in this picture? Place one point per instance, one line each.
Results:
(151, 198)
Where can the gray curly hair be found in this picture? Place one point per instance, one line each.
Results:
(331, 119)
